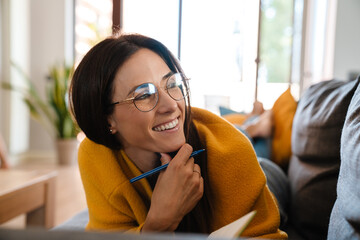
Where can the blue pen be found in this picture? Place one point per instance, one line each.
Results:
(155, 170)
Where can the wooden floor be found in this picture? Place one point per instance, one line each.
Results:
(70, 196)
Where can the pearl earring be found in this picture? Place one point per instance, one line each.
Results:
(111, 130)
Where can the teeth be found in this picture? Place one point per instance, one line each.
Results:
(167, 126)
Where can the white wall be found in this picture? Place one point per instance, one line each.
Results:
(14, 45)
(47, 48)
(3, 52)
(51, 43)
(347, 35)
(36, 34)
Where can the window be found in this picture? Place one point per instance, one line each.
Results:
(92, 23)
(217, 44)
(218, 48)
(158, 19)
(276, 31)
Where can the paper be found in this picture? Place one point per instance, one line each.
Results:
(234, 229)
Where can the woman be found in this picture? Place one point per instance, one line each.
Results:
(130, 97)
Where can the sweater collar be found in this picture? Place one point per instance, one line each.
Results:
(135, 171)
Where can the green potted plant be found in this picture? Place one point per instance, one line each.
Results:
(53, 111)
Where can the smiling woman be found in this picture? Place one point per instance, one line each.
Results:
(130, 97)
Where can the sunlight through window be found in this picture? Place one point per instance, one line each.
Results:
(93, 22)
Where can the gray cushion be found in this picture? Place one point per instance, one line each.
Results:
(315, 161)
(345, 216)
(77, 223)
(278, 184)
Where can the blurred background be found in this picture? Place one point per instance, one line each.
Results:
(234, 51)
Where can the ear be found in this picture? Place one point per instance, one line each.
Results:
(111, 124)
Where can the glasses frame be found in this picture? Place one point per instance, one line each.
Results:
(131, 99)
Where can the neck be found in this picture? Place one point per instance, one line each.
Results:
(144, 160)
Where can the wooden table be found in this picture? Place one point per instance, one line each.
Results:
(30, 192)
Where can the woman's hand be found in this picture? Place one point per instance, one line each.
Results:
(178, 189)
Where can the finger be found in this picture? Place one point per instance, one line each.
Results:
(184, 153)
(201, 187)
(165, 158)
(197, 173)
(197, 169)
(200, 191)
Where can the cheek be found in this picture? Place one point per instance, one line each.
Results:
(131, 125)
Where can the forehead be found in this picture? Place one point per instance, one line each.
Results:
(143, 66)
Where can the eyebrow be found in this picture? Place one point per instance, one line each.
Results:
(166, 76)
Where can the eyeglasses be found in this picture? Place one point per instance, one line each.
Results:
(146, 96)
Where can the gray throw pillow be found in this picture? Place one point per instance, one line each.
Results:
(315, 161)
(345, 216)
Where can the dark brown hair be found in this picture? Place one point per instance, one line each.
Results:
(91, 88)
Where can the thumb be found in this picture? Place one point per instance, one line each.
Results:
(165, 158)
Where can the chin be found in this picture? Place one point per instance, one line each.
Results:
(174, 146)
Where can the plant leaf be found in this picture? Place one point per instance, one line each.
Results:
(52, 112)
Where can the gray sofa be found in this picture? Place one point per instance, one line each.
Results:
(315, 162)
(345, 216)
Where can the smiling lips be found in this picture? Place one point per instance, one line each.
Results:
(167, 126)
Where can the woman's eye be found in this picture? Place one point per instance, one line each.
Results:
(143, 96)
(171, 85)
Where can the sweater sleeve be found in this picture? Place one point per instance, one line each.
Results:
(238, 186)
(113, 203)
(236, 181)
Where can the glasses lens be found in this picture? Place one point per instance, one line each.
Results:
(176, 87)
(146, 97)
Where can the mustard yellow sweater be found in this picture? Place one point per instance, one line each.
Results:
(236, 180)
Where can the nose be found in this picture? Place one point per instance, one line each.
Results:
(166, 103)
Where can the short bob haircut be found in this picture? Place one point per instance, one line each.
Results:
(91, 88)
